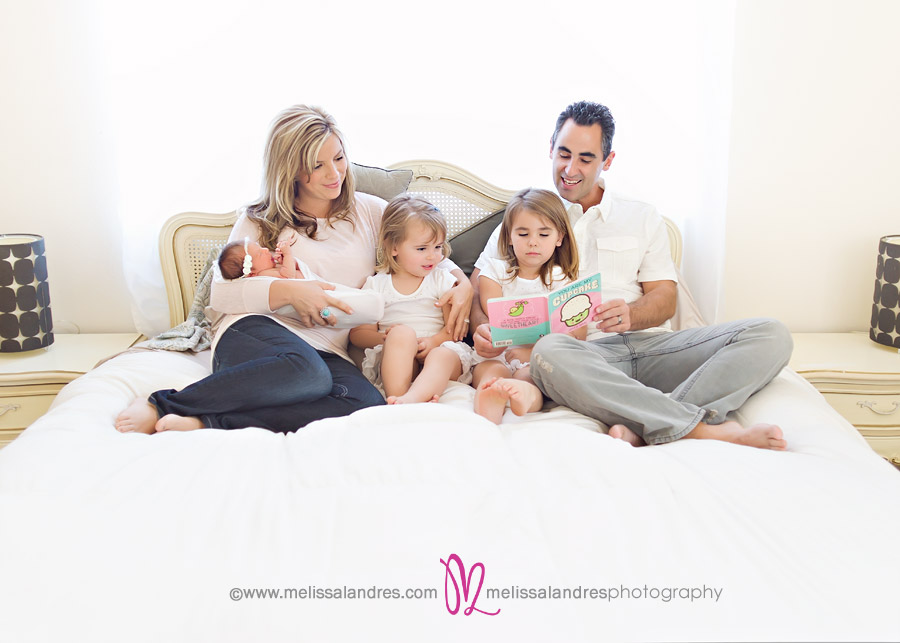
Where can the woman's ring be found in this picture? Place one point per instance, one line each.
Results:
(620, 318)
(324, 313)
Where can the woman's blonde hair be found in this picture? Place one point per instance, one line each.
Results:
(294, 142)
(549, 207)
(399, 213)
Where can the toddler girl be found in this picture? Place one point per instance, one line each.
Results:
(409, 354)
(538, 255)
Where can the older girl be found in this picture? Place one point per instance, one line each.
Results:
(309, 201)
(537, 254)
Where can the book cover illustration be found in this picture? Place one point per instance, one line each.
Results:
(525, 319)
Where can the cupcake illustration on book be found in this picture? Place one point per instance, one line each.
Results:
(575, 310)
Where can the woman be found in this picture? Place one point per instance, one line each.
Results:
(274, 371)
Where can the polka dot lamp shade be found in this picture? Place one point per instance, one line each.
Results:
(25, 322)
(886, 309)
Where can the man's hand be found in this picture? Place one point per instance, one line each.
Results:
(614, 316)
(482, 340)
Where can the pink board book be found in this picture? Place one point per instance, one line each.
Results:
(524, 320)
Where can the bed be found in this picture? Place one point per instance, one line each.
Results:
(428, 523)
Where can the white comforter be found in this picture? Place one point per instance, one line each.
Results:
(111, 537)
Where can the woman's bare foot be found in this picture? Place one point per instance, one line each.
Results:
(139, 417)
(761, 436)
(622, 432)
(172, 422)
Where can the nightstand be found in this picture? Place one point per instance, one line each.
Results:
(30, 380)
(860, 379)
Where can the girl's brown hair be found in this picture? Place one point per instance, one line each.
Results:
(395, 224)
(294, 142)
(548, 206)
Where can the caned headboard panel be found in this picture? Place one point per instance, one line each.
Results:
(184, 245)
(187, 238)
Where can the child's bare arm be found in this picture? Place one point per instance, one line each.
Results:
(366, 336)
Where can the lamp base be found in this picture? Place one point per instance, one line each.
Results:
(26, 344)
(885, 339)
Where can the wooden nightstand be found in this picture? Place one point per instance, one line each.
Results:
(29, 381)
(860, 379)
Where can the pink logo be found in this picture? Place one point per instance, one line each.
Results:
(466, 580)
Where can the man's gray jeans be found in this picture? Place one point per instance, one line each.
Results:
(661, 385)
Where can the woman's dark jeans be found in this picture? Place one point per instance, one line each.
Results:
(266, 376)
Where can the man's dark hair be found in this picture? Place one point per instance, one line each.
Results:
(586, 113)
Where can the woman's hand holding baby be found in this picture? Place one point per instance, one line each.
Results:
(308, 298)
(460, 300)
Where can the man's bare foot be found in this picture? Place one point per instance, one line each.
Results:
(761, 436)
(490, 402)
(404, 399)
(172, 422)
(622, 432)
(139, 417)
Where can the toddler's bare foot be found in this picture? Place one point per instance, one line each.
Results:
(622, 432)
(490, 402)
(406, 399)
(172, 422)
(139, 417)
(524, 397)
(761, 436)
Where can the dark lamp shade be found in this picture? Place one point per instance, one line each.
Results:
(885, 325)
(25, 321)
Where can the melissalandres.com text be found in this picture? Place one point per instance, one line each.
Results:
(344, 592)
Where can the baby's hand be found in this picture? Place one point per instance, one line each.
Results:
(284, 256)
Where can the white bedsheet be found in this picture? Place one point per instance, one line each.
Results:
(111, 537)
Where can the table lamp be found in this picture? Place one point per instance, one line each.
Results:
(885, 324)
(25, 321)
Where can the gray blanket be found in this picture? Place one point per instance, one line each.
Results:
(193, 334)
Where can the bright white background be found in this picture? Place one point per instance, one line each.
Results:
(765, 129)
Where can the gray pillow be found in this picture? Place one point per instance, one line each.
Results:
(380, 182)
(466, 246)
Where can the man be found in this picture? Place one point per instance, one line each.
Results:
(650, 385)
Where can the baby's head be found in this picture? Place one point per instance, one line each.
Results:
(536, 228)
(409, 218)
(244, 259)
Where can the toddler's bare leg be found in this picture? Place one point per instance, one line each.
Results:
(398, 360)
(441, 366)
